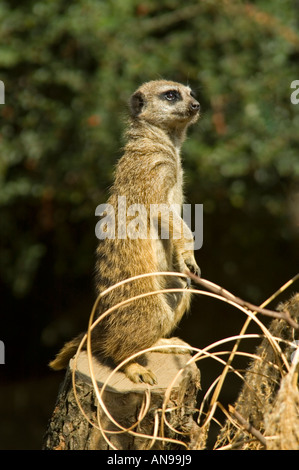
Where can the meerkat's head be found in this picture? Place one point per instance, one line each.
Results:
(165, 104)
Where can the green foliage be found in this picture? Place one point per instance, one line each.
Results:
(69, 68)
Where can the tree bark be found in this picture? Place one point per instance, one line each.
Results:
(69, 429)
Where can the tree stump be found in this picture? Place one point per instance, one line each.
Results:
(169, 428)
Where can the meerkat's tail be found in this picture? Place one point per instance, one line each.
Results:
(62, 359)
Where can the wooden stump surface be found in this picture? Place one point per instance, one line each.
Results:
(68, 428)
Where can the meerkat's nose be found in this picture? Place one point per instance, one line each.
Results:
(194, 105)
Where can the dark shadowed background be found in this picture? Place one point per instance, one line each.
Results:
(69, 68)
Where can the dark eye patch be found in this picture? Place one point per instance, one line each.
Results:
(171, 95)
(192, 94)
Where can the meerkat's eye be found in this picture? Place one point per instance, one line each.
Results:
(172, 95)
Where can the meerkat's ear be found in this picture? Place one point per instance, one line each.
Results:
(136, 103)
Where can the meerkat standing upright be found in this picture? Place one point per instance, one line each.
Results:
(149, 173)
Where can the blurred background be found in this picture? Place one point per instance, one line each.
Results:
(69, 68)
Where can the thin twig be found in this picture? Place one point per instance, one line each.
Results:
(246, 425)
(220, 291)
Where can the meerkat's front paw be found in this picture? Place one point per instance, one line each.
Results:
(192, 266)
(139, 374)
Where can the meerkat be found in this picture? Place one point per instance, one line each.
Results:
(149, 173)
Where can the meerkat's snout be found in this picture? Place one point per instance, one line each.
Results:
(194, 106)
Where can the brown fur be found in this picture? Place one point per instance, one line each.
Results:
(149, 172)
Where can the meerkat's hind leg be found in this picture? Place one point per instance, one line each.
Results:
(137, 373)
(175, 346)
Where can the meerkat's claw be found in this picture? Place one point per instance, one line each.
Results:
(137, 373)
(193, 268)
(148, 377)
